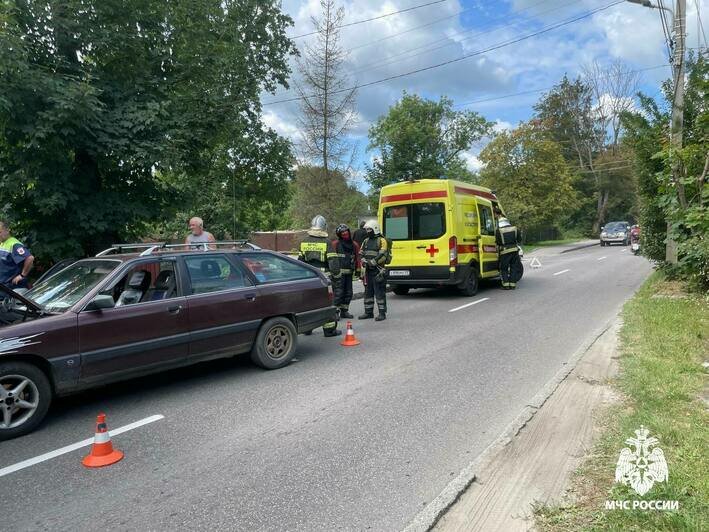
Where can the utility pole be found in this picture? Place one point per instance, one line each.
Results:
(679, 27)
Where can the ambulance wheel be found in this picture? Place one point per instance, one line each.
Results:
(401, 290)
(470, 285)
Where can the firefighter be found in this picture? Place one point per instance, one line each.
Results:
(317, 250)
(348, 254)
(507, 237)
(374, 253)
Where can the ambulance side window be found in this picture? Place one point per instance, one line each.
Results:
(487, 223)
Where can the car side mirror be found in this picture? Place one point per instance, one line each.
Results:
(100, 302)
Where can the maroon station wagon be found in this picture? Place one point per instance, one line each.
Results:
(119, 316)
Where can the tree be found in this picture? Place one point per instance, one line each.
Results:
(311, 185)
(421, 138)
(530, 176)
(661, 200)
(584, 117)
(327, 104)
(114, 113)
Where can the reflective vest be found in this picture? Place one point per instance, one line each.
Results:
(375, 248)
(507, 239)
(316, 250)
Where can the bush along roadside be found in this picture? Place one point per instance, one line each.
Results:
(664, 390)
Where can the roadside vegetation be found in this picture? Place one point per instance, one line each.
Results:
(663, 386)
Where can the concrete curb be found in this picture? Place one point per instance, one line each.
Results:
(581, 246)
(427, 518)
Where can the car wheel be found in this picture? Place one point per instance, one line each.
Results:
(275, 344)
(25, 395)
(470, 287)
(401, 290)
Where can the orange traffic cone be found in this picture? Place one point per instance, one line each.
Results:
(350, 339)
(102, 453)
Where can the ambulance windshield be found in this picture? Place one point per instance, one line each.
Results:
(417, 221)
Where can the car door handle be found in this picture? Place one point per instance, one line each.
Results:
(174, 309)
(250, 297)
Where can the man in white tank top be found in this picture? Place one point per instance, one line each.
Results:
(197, 234)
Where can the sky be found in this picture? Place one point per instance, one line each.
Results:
(450, 29)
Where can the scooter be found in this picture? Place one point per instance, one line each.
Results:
(635, 244)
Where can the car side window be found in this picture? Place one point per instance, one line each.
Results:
(487, 222)
(146, 281)
(268, 268)
(212, 273)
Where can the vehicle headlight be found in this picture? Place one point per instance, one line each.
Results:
(604, 233)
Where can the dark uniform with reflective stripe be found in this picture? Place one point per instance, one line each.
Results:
(348, 257)
(317, 250)
(510, 263)
(374, 248)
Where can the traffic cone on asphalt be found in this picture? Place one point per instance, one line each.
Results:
(350, 339)
(102, 452)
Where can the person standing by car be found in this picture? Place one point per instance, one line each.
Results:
(374, 253)
(317, 250)
(348, 253)
(360, 234)
(197, 234)
(16, 261)
(507, 238)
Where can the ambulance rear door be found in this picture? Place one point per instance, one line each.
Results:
(489, 264)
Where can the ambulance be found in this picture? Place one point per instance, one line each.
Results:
(442, 233)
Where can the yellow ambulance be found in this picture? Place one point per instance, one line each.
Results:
(442, 233)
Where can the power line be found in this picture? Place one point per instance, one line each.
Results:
(461, 58)
(448, 42)
(532, 91)
(412, 8)
(700, 24)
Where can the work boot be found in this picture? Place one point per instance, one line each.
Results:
(380, 317)
(334, 332)
(366, 316)
(346, 314)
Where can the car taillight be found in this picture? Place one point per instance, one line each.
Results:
(453, 251)
(330, 293)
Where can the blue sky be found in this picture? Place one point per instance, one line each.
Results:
(453, 28)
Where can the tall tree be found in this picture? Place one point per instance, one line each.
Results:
(327, 102)
(108, 108)
(420, 138)
(530, 176)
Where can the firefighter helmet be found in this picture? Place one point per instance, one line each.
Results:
(341, 229)
(319, 223)
(373, 226)
(503, 222)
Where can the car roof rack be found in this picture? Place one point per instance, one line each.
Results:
(151, 247)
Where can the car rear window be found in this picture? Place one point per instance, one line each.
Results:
(269, 268)
(416, 221)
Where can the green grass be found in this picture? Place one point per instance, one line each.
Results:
(664, 341)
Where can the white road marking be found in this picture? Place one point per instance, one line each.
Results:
(469, 304)
(74, 446)
(602, 258)
(562, 271)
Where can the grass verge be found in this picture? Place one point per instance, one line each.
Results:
(664, 341)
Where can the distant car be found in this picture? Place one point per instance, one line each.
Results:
(120, 316)
(615, 232)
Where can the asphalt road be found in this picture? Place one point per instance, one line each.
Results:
(344, 438)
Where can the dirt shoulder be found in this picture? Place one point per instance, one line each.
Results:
(535, 465)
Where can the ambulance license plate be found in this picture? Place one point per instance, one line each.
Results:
(399, 273)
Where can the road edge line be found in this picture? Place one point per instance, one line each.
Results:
(427, 518)
(74, 446)
(469, 304)
(584, 246)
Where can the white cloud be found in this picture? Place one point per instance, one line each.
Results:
(472, 162)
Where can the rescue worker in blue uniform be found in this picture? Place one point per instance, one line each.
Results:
(507, 238)
(348, 254)
(374, 253)
(317, 250)
(16, 261)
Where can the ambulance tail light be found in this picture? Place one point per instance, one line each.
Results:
(453, 251)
